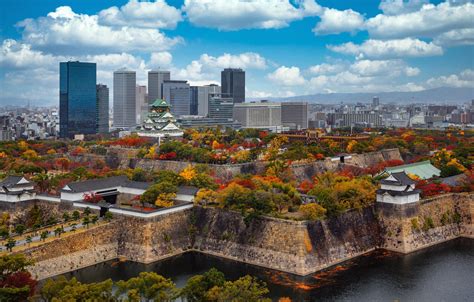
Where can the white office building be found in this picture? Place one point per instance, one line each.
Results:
(261, 115)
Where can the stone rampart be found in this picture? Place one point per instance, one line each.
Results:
(299, 247)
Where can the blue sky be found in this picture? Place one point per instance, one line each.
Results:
(286, 47)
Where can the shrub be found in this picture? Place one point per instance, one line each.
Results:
(428, 223)
(313, 211)
(415, 226)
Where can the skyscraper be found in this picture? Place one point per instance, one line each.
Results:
(102, 108)
(178, 95)
(155, 82)
(233, 84)
(124, 99)
(294, 115)
(141, 104)
(77, 99)
(375, 101)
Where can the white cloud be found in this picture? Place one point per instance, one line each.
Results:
(160, 59)
(156, 14)
(464, 79)
(326, 68)
(287, 76)
(335, 21)
(399, 48)
(387, 68)
(65, 31)
(455, 37)
(19, 55)
(236, 14)
(397, 7)
(258, 94)
(429, 21)
(207, 67)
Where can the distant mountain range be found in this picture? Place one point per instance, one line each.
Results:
(442, 95)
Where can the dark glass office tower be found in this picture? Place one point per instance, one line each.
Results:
(77, 99)
(233, 84)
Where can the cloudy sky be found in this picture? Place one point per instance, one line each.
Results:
(286, 47)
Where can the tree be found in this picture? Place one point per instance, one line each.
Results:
(85, 221)
(196, 287)
(16, 283)
(94, 219)
(108, 216)
(76, 215)
(61, 289)
(10, 244)
(165, 200)
(243, 289)
(87, 211)
(20, 229)
(58, 232)
(188, 173)
(44, 235)
(66, 217)
(313, 211)
(28, 239)
(152, 193)
(148, 286)
(73, 227)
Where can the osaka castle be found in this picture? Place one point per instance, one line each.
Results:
(160, 122)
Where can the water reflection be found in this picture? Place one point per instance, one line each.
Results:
(440, 273)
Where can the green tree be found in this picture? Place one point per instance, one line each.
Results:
(61, 289)
(148, 286)
(85, 221)
(10, 244)
(44, 235)
(94, 219)
(108, 216)
(58, 232)
(76, 215)
(20, 229)
(244, 289)
(87, 211)
(196, 287)
(28, 239)
(66, 217)
(150, 195)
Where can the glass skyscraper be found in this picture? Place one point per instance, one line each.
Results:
(77, 99)
(233, 84)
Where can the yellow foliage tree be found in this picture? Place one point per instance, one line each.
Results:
(455, 163)
(205, 196)
(242, 156)
(351, 145)
(151, 152)
(51, 151)
(3, 155)
(313, 211)
(23, 145)
(188, 173)
(30, 154)
(165, 200)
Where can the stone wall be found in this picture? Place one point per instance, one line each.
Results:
(412, 227)
(298, 247)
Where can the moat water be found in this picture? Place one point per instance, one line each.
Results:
(441, 273)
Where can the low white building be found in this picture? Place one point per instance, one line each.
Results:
(16, 188)
(398, 188)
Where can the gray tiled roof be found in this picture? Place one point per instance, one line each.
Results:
(402, 179)
(11, 181)
(103, 183)
(187, 190)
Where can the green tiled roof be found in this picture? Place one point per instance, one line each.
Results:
(160, 103)
(423, 169)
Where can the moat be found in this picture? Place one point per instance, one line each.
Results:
(440, 273)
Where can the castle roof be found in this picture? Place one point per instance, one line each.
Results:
(423, 169)
(398, 179)
(160, 103)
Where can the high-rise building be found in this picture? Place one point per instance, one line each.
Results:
(155, 82)
(375, 101)
(221, 107)
(141, 105)
(200, 98)
(125, 99)
(233, 84)
(102, 92)
(294, 115)
(263, 115)
(77, 98)
(178, 95)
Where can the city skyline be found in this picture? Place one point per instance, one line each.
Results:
(285, 49)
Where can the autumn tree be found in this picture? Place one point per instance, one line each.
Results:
(16, 283)
(243, 289)
(313, 211)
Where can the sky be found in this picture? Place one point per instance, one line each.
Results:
(287, 48)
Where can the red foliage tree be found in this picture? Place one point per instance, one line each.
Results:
(92, 197)
(18, 280)
(432, 189)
